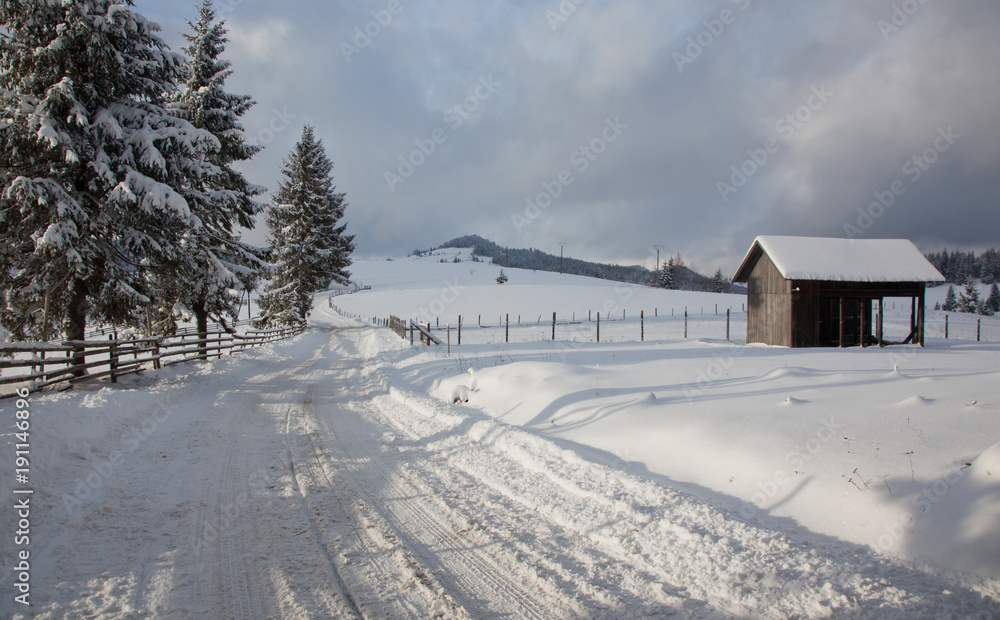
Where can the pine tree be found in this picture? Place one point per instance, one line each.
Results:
(502, 278)
(217, 263)
(719, 282)
(309, 249)
(668, 273)
(950, 304)
(90, 159)
(969, 301)
(993, 300)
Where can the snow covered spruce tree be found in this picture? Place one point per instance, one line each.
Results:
(216, 264)
(309, 249)
(950, 303)
(89, 160)
(993, 300)
(969, 301)
(719, 281)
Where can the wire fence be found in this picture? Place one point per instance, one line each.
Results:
(657, 326)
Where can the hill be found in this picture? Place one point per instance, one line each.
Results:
(686, 278)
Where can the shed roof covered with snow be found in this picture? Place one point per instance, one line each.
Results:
(841, 260)
(808, 291)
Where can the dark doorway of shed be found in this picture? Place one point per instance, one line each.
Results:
(846, 322)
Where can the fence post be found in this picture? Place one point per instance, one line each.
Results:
(506, 329)
(727, 325)
(113, 357)
(553, 326)
(460, 330)
(642, 326)
(449, 339)
(979, 330)
(946, 327)
(598, 327)
(685, 323)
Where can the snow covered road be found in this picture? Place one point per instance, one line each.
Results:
(303, 480)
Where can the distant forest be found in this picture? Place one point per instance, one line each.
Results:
(957, 267)
(684, 278)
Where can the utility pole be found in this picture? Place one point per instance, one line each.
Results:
(657, 247)
(562, 244)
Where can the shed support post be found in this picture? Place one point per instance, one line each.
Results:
(841, 340)
(881, 322)
(864, 312)
(921, 316)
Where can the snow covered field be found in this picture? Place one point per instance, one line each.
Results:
(333, 475)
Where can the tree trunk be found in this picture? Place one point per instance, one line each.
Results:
(76, 325)
(201, 324)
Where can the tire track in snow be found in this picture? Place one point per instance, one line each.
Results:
(383, 487)
(313, 525)
(496, 553)
(417, 592)
(599, 584)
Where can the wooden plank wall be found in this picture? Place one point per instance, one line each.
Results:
(769, 304)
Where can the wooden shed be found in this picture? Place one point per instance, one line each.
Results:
(812, 292)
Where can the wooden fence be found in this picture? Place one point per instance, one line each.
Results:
(42, 365)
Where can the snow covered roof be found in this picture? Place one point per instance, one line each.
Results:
(841, 260)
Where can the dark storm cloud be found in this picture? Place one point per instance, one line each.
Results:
(734, 118)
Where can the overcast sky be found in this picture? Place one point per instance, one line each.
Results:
(613, 126)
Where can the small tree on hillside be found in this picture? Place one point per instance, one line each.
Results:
(719, 282)
(309, 247)
(502, 278)
(667, 274)
(950, 304)
(993, 300)
(968, 301)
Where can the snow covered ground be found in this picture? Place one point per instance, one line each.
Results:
(333, 475)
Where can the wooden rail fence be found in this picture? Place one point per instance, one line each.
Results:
(49, 364)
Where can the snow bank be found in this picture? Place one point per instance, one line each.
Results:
(957, 524)
(823, 437)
